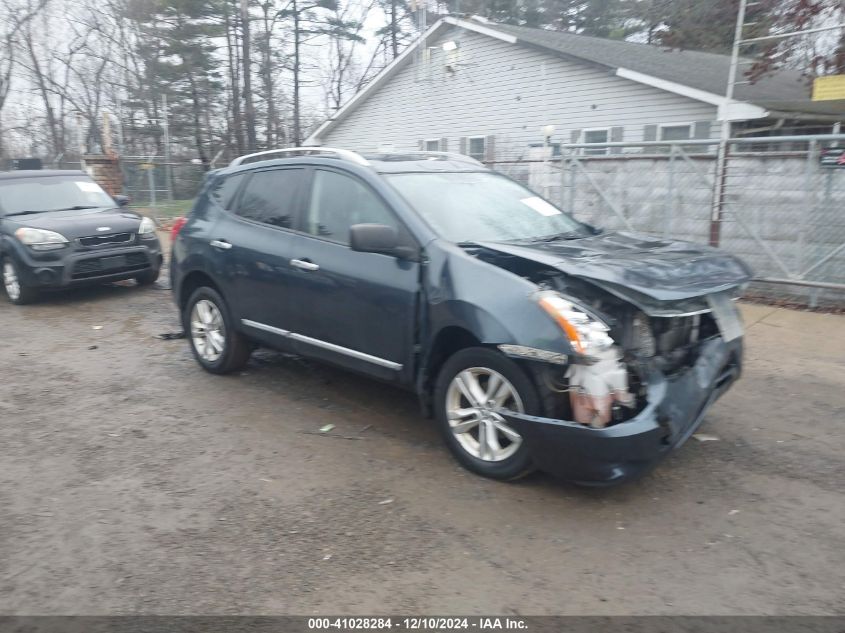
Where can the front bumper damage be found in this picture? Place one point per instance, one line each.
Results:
(675, 408)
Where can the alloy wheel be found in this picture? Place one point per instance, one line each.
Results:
(474, 400)
(208, 331)
(11, 282)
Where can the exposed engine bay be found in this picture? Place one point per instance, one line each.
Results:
(609, 386)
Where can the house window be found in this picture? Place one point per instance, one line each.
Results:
(675, 132)
(432, 145)
(597, 135)
(478, 147)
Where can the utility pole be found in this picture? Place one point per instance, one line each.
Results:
(725, 131)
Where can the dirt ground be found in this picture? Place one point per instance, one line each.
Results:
(133, 482)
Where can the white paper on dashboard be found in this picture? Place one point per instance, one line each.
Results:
(88, 187)
(540, 206)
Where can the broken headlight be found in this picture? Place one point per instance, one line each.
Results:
(586, 332)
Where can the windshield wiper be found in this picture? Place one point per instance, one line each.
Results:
(78, 207)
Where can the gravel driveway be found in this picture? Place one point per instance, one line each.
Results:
(133, 482)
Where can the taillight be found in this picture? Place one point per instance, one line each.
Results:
(178, 223)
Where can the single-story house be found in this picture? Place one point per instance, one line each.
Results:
(493, 91)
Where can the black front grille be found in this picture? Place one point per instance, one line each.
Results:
(102, 240)
(96, 267)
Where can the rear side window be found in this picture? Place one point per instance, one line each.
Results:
(270, 197)
(225, 190)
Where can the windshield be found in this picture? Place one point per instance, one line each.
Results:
(51, 192)
(477, 207)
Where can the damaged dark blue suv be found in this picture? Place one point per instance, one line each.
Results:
(535, 340)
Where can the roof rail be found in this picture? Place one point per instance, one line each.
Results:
(343, 154)
(423, 155)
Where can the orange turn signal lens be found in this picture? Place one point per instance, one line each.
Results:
(556, 307)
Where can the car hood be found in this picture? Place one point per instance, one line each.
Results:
(82, 222)
(664, 270)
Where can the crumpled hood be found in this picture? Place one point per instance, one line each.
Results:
(664, 270)
(82, 222)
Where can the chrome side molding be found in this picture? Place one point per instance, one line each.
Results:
(375, 360)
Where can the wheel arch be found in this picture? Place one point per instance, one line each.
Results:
(192, 281)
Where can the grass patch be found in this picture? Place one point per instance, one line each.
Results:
(166, 209)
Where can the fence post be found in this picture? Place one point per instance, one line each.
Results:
(719, 183)
(572, 182)
(151, 179)
(670, 193)
(810, 193)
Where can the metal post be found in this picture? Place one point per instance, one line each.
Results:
(151, 180)
(725, 131)
(168, 176)
(670, 195)
(810, 193)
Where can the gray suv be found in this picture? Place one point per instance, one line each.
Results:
(534, 340)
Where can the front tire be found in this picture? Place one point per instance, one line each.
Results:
(149, 277)
(16, 292)
(473, 386)
(218, 347)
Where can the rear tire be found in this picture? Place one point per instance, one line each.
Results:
(218, 347)
(485, 444)
(16, 292)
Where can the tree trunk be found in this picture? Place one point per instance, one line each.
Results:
(197, 115)
(394, 28)
(268, 79)
(297, 125)
(234, 81)
(249, 106)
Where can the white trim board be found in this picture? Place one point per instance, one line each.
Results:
(728, 111)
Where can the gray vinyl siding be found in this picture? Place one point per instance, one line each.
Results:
(498, 89)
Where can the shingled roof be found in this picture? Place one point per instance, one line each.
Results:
(783, 90)
(694, 74)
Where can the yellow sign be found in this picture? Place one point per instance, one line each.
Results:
(146, 166)
(829, 88)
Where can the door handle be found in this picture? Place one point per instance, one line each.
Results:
(221, 244)
(304, 265)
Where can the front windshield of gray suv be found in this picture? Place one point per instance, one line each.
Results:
(51, 192)
(477, 207)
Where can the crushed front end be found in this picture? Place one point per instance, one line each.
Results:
(615, 410)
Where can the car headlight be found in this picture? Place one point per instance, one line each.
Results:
(585, 332)
(147, 227)
(39, 239)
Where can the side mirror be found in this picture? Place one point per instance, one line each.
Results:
(122, 201)
(373, 238)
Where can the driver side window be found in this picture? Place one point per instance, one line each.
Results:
(339, 201)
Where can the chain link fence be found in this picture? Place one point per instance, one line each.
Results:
(162, 189)
(781, 207)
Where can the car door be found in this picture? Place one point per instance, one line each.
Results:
(355, 309)
(253, 242)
